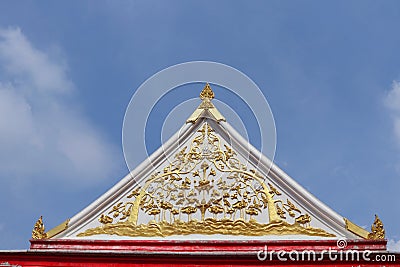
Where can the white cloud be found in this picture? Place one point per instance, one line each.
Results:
(393, 97)
(22, 60)
(392, 102)
(40, 133)
(393, 245)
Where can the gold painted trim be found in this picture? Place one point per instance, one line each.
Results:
(377, 229)
(209, 226)
(355, 229)
(216, 114)
(196, 114)
(58, 229)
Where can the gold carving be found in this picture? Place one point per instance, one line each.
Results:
(206, 190)
(209, 226)
(207, 92)
(206, 96)
(38, 231)
(377, 230)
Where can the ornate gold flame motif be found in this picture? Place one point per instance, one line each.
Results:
(207, 92)
(206, 190)
(38, 231)
(377, 230)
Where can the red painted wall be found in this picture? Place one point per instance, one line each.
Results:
(189, 253)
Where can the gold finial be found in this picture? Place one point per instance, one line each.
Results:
(207, 92)
(377, 231)
(206, 96)
(38, 231)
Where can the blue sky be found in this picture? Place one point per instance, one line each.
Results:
(329, 70)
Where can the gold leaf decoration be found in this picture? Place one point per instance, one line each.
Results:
(207, 92)
(209, 226)
(377, 230)
(206, 189)
(38, 231)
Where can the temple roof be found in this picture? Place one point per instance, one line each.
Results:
(208, 182)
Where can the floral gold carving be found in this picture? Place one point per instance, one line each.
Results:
(207, 190)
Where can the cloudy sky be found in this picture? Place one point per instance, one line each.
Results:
(329, 70)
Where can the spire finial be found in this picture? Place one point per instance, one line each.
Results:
(377, 230)
(206, 96)
(207, 92)
(38, 231)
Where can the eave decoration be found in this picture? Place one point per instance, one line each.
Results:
(38, 231)
(377, 230)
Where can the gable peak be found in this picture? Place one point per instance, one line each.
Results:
(206, 95)
(207, 92)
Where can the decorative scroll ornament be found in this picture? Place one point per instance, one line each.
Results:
(377, 230)
(205, 190)
(38, 231)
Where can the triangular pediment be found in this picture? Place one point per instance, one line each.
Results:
(207, 182)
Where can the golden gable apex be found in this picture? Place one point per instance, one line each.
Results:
(206, 107)
(207, 92)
